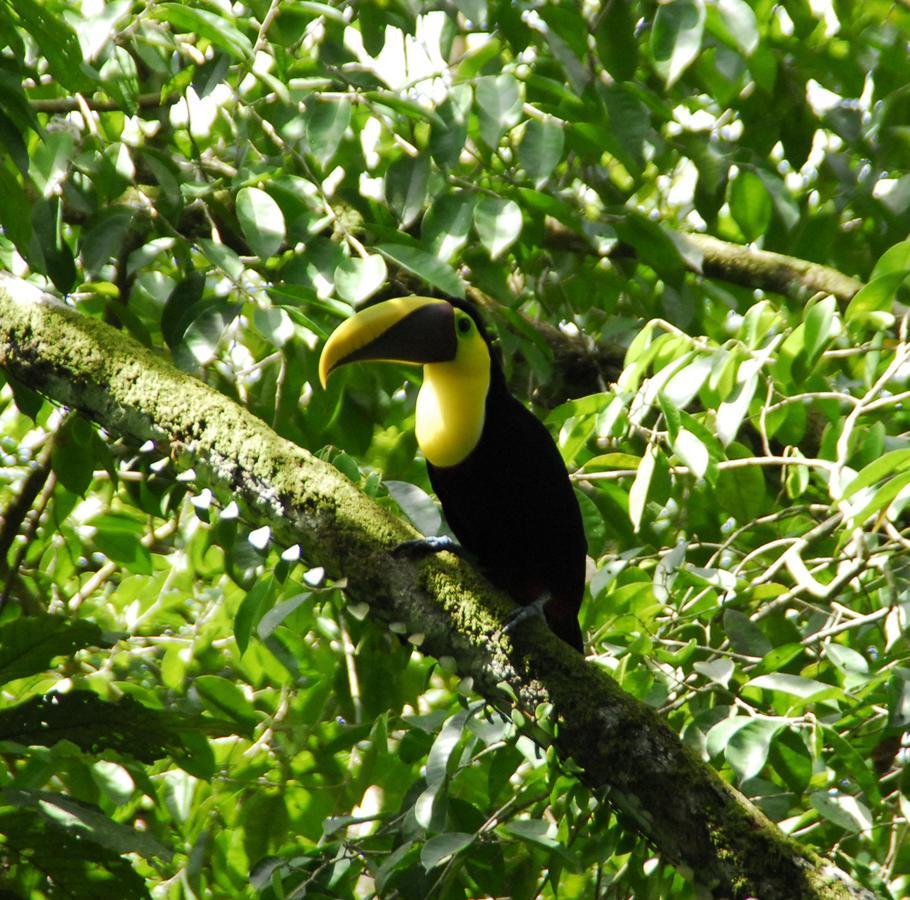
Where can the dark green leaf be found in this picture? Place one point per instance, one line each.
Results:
(406, 187)
(745, 637)
(541, 148)
(226, 699)
(27, 646)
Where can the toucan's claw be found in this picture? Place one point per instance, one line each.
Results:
(421, 547)
(523, 613)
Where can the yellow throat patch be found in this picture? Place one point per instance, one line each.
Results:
(452, 399)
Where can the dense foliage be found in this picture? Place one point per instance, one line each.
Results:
(188, 709)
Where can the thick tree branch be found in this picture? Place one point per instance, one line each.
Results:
(770, 271)
(737, 263)
(625, 751)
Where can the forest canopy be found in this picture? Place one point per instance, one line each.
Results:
(686, 225)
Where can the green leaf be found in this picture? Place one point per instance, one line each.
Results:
(222, 257)
(616, 42)
(750, 204)
(790, 684)
(720, 733)
(692, 452)
(226, 699)
(423, 265)
(779, 657)
(258, 601)
(104, 238)
(540, 150)
(278, 613)
(358, 278)
(58, 44)
(734, 22)
(894, 259)
(747, 750)
(72, 457)
(498, 223)
(261, 221)
(652, 243)
(121, 78)
(28, 645)
(274, 324)
(118, 538)
(882, 498)
(49, 251)
(847, 659)
(406, 187)
(410, 108)
(676, 37)
(92, 724)
(741, 492)
(842, 809)
(447, 223)
(417, 505)
(448, 140)
(325, 122)
(443, 747)
(857, 766)
(214, 28)
(441, 847)
(638, 493)
(891, 463)
(745, 637)
(498, 104)
(74, 866)
(15, 211)
(733, 410)
(613, 461)
(88, 822)
(791, 759)
(534, 831)
(877, 295)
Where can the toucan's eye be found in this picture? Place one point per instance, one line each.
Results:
(464, 324)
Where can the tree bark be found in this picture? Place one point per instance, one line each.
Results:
(624, 750)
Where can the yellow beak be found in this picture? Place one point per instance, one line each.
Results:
(406, 330)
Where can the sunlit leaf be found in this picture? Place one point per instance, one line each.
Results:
(425, 266)
(261, 220)
(358, 278)
(498, 103)
(211, 26)
(676, 37)
(498, 223)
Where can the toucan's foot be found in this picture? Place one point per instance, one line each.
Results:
(523, 613)
(421, 547)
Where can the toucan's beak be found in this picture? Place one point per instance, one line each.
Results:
(408, 329)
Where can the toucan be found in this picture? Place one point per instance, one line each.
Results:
(496, 470)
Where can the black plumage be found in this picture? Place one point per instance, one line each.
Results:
(511, 505)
